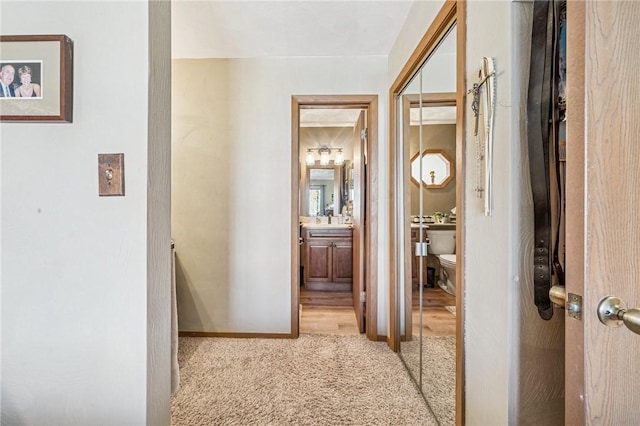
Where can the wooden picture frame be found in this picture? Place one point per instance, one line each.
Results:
(41, 88)
(443, 165)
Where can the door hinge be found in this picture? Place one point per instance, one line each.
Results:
(363, 134)
(363, 297)
(422, 248)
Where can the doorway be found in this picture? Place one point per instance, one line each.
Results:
(360, 219)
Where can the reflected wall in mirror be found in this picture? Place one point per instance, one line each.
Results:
(425, 150)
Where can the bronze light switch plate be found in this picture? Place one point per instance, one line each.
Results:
(111, 174)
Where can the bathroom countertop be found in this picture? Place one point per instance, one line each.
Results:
(327, 225)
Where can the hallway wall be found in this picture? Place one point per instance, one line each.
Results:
(84, 279)
(525, 383)
(232, 145)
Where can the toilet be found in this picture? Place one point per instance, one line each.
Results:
(443, 246)
(448, 273)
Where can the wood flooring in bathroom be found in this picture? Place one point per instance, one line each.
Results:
(437, 320)
(332, 313)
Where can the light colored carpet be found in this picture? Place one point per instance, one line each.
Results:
(438, 372)
(312, 380)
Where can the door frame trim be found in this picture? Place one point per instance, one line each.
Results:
(370, 104)
(451, 11)
(575, 261)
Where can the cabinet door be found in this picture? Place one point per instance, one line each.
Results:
(318, 260)
(414, 261)
(342, 255)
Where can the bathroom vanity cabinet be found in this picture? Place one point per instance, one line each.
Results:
(328, 258)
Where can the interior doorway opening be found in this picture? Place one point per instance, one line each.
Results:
(334, 197)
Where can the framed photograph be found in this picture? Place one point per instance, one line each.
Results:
(36, 78)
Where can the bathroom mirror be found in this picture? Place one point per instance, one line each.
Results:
(435, 168)
(425, 152)
(323, 191)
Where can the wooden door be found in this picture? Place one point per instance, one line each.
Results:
(359, 268)
(603, 208)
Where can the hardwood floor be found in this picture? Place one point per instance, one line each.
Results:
(328, 320)
(327, 312)
(325, 298)
(437, 320)
(323, 312)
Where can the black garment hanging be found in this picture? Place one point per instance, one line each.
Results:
(542, 133)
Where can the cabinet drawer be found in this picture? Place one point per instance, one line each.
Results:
(329, 233)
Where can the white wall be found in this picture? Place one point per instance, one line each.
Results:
(74, 265)
(418, 19)
(490, 287)
(252, 293)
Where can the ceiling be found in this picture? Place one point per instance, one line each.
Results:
(249, 29)
(329, 117)
(288, 28)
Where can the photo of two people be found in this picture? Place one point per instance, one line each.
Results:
(21, 80)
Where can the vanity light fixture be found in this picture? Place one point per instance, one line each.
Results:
(325, 156)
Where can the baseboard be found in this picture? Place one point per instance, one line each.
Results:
(379, 338)
(236, 335)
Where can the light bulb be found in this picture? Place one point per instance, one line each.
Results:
(339, 158)
(324, 158)
(311, 160)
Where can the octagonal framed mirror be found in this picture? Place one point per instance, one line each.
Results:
(437, 168)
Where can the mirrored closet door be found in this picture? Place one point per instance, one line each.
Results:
(425, 226)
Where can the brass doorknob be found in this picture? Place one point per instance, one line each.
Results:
(613, 312)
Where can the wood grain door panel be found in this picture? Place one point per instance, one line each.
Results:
(603, 241)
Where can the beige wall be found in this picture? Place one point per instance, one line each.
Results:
(434, 136)
(315, 137)
(201, 186)
(232, 183)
